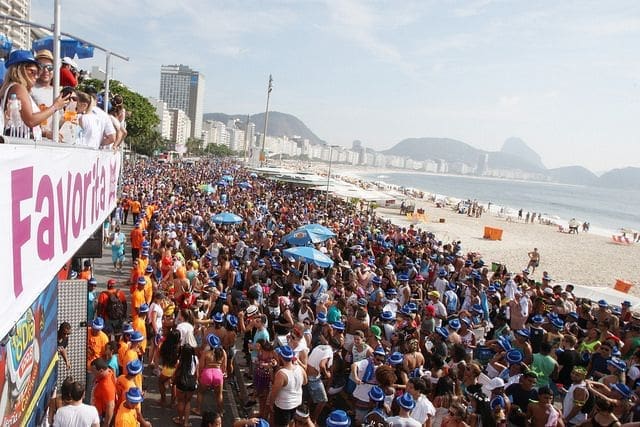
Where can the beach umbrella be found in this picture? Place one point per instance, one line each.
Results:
(319, 229)
(226, 218)
(309, 255)
(68, 47)
(302, 237)
(253, 175)
(227, 178)
(245, 185)
(206, 187)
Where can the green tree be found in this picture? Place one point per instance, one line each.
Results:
(194, 146)
(148, 144)
(219, 150)
(142, 120)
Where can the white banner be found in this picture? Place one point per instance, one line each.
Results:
(51, 200)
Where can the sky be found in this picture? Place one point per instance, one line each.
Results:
(563, 76)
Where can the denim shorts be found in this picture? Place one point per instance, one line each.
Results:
(316, 390)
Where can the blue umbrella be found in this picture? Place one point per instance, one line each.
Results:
(309, 255)
(226, 218)
(68, 47)
(227, 178)
(245, 185)
(303, 236)
(253, 175)
(319, 230)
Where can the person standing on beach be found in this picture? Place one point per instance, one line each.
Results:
(534, 260)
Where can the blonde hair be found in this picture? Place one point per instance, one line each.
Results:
(16, 74)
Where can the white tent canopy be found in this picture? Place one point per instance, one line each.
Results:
(610, 295)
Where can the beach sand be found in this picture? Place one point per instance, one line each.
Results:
(585, 259)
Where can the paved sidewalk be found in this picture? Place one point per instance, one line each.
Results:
(151, 409)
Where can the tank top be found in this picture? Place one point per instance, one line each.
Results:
(359, 355)
(290, 396)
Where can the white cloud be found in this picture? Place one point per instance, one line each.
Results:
(472, 8)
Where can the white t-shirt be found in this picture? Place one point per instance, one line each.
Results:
(81, 415)
(423, 410)
(318, 354)
(399, 421)
(96, 124)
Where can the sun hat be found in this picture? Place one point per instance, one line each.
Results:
(477, 308)
(376, 394)
(218, 317)
(252, 310)
(142, 280)
(442, 272)
(213, 341)
(497, 401)
(233, 320)
(433, 294)
(376, 280)
(285, 352)
(338, 418)
(416, 373)
(603, 304)
(617, 363)
(523, 333)
(573, 315)
(623, 389)
(537, 319)
(442, 332)
(362, 302)
(403, 278)
(97, 324)
(376, 331)
(144, 308)
(396, 358)
(298, 289)
(406, 401)
(44, 54)
(454, 324)
(322, 317)
(20, 57)
(495, 383)
(626, 303)
(412, 306)
(379, 351)
(391, 292)
(149, 269)
(127, 328)
(557, 323)
(616, 310)
(136, 336)
(514, 357)
(387, 316)
(92, 282)
(134, 367)
(338, 326)
(546, 277)
(504, 343)
(134, 395)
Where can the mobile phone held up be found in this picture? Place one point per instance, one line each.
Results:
(67, 91)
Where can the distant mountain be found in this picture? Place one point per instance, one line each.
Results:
(626, 179)
(517, 147)
(573, 175)
(280, 124)
(452, 150)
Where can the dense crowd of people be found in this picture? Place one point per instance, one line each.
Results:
(402, 329)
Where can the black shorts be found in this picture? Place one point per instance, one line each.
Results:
(282, 417)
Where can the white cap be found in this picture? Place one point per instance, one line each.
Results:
(495, 383)
(69, 61)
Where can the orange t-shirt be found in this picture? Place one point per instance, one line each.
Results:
(139, 325)
(137, 299)
(136, 238)
(95, 345)
(127, 417)
(84, 275)
(130, 355)
(123, 384)
(123, 347)
(135, 206)
(104, 392)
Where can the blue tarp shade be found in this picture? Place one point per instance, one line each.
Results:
(5, 45)
(68, 47)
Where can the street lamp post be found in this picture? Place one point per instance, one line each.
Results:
(263, 155)
(326, 199)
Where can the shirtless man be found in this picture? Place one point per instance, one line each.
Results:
(542, 413)
(534, 260)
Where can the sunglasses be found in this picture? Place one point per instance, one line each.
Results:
(47, 67)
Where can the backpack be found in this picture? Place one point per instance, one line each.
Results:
(115, 307)
(186, 381)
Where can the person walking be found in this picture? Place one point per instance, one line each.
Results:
(286, 393)
(534, 260)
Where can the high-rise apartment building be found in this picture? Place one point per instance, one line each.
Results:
(183, 88)
(163, 113)
(19, 34)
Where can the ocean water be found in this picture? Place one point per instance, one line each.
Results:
(606, 209)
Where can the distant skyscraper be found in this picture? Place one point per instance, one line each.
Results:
(183, 88)
(19, 34)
